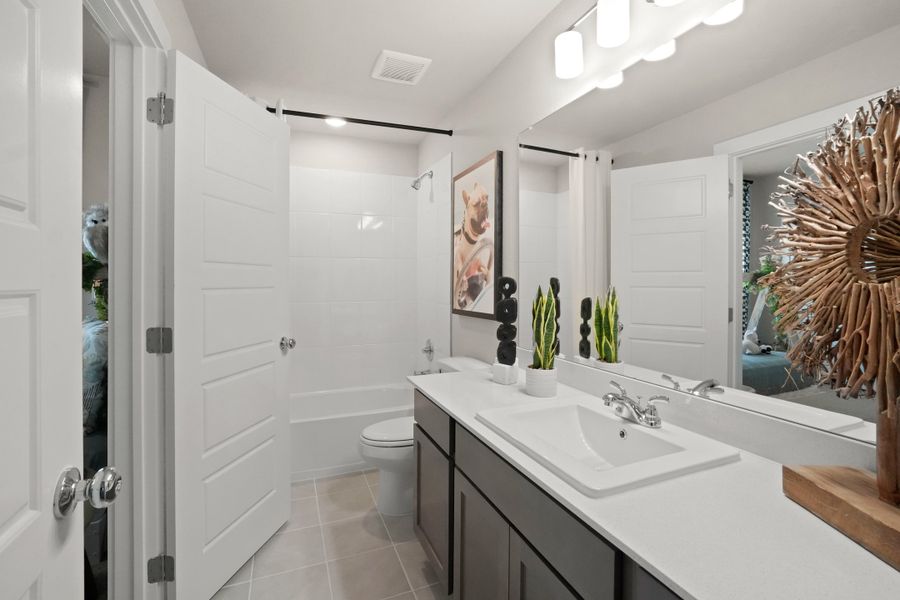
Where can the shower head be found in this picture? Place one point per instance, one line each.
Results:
(417, 182)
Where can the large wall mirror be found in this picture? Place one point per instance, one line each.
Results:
(671, 207)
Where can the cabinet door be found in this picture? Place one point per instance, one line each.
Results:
(433, 474)
(529, 576)
(638, 584)
(481, 546)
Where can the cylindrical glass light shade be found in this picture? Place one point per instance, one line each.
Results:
(569, 55)
(613, 22)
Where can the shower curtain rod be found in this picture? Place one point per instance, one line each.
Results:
(551, 151)
(311, 115)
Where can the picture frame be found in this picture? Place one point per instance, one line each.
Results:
(477, 238)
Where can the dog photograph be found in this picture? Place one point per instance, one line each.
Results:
(477, 200)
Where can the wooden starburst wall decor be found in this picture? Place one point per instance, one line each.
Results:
(839, 281)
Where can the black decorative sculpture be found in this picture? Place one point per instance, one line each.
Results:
(507, 313)
(584, 346)
(554, 287)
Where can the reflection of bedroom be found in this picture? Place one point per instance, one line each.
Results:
(765, 367)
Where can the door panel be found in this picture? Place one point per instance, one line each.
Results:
(481, 546)
(40, 297)
(433, 504)
(669, 265)
(228, 417)
(529, 576)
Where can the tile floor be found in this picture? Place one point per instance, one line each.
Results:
(337, 546)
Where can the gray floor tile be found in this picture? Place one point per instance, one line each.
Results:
(242, 575)
(431, 593)
(374, 575)
(416, 564)
(340, 483)
(304, 513)
(353, 536)
(310, 583)
(288, 551)
(303, 489)
(400, 528)
(234, 592)
(345, 505)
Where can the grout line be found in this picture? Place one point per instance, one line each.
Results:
(250, 587)
(393, 543)
(324, 552)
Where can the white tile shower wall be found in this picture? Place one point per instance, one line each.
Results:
(539, 215)
(353, 279)
(433, 263)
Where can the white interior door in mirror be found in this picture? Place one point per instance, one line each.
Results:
(41, 557)
(228, 418)
(669, 264)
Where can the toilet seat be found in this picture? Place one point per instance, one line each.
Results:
(392, 433)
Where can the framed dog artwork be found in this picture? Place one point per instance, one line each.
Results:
(477, 238)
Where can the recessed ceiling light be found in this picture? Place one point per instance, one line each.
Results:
(726, 14)
(613, 22)
(661, 52)
(614, 80)
(335, 121)
(569, 55)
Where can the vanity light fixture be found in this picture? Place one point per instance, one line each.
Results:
(569, 54)
(335, 121)
(613, 81)
(726, 14)
(613, 22)
(661, 52)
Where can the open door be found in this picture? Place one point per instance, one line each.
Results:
(41, 556)
(227, 414)
(669, 264)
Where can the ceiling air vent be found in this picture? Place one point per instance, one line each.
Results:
(397, 67)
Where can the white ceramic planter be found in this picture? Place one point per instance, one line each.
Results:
(618, 367)
(505, 374)
(540, 383)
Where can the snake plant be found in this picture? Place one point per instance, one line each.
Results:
(606, 327)
(543, 323)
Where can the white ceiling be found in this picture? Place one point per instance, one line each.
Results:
(318, 54)
(772, 36)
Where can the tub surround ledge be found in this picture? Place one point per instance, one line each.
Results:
(725, 532)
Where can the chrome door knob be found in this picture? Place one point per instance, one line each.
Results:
(99, 491)
(287, 344)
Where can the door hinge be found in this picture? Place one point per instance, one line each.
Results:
(730, 314)
(159, 340)
(161, 569)
(160, 110)
(730, 190)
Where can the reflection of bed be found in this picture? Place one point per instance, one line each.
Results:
(770, 374)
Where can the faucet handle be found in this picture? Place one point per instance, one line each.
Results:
(658, 399)
(619, 387)
(675, 383)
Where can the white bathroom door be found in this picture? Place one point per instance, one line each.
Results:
(41, 557)
(669, 264)
(227, 415)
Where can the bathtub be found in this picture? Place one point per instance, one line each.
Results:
(325, 426)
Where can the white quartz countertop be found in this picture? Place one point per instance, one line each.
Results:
(726, 533)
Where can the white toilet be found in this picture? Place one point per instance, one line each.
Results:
(388, 446)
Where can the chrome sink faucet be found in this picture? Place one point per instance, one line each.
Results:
(633, 410)
(706, 386)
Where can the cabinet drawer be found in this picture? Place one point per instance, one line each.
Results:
(579, 555)
(433, 421)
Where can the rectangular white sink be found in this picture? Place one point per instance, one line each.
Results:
(598, 452)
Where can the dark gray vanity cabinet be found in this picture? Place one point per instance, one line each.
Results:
(432, 520)
(480, 546)
(530, 577)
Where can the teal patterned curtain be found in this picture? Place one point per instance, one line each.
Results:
(745, 251)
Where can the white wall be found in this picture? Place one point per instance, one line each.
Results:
(95, 142)
(324, 151)
(841, 76)
(180, 29)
